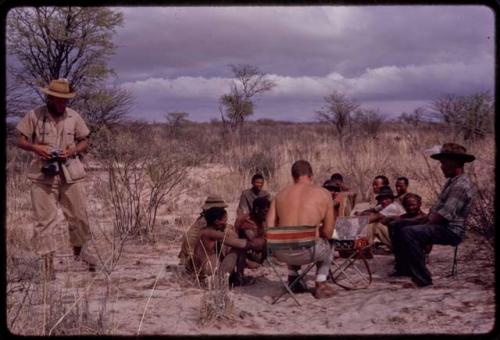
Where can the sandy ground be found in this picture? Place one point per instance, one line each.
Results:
(147, 286)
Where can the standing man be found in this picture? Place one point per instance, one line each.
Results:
(445, 222)
(57, 135)
(305, 204)
(248, 196)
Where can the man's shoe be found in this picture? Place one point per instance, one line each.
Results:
(236, 280)
(82, 254)
(298, 287)
(323, 291)
(398, 273)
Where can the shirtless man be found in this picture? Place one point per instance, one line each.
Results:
(305, 204)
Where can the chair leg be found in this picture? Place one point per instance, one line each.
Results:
(284, 284)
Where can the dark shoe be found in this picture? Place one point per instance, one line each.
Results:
(421, 283)
(398, 273)
(82, 254)
(298, 287)
(237, 280)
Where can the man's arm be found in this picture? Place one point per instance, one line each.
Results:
(375, 217)
(224, 237)
(39, 149)
(435, 218)
(326, 231)
(271, 217)
(80, 147)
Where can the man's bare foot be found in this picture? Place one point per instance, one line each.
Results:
(323, 290)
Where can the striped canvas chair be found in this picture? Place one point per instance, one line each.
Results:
(279, 238)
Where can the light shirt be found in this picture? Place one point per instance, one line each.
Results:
(393, 209)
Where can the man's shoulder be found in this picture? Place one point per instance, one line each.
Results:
(73, 113)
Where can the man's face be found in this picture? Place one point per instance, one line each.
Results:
(401, 187)
(56, 105)
(261, 213)
(449, 167)
(258, 184)
(377, 184)
(411, 206)
(221, 222)
(385, 201)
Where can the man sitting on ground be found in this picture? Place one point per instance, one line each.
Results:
(210, 257)
(349, 195)
(445, 222)
(248, 196)
(378, 182)
(305, 204)
(401, 188)
(253, 227)
(378, 220)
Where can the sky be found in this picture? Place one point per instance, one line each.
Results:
(391, 58)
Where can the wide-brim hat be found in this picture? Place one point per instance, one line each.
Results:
(58, 88)
(453, 151)
(214, 202)
(330, 185)
(385, 191)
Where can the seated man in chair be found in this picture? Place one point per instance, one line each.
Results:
(305, 204)
(445, 222)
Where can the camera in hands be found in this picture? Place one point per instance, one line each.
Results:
(52, 167)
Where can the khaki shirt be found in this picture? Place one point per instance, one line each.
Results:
(40, 128)
(246, 200)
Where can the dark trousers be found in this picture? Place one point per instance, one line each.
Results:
(409, 241)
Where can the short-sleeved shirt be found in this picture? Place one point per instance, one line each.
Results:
(191, 238)
(393, 209)
(246, 200)
(454, 202)
(40, 128)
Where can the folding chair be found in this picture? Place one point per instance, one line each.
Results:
(291, 238)
(350, 238)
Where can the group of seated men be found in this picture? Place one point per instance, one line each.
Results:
(212, 246)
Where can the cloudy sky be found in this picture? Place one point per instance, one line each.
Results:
(394, 58)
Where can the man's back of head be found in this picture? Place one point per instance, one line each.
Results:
(301, 168)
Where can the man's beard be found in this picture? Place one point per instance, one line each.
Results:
(53, 110)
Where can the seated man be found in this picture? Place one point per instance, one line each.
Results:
(414, 215)
(445, 222)
(378, 182)
(305, 204)
(401, 188)
(248, 196)
(341, 203)
(378, 220)
(252, 226)
(192, 236)
(218, 248)
(338, 181)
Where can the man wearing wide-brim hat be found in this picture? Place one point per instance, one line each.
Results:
(57, 136)
(445, 222)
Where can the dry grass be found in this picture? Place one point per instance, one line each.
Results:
(218, 164)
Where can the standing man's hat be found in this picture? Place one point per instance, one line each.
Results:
(214, 202)
(453, 151)
(58, 88)
(385, 191)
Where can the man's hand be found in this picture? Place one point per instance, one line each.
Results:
(42, 150)
(68, 152)
(257, 243)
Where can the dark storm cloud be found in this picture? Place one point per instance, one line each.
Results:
(173, 56)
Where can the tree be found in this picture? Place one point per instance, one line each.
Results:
(105, 106)
(338, 111)
(175, 120)
(238, 104)
(471, 116)
(67, 42)
(61, 42)
(368, 121)
(416, 118)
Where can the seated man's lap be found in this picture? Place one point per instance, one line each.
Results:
(429, 234)
(321, 252)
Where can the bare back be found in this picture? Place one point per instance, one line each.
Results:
(302, 204)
